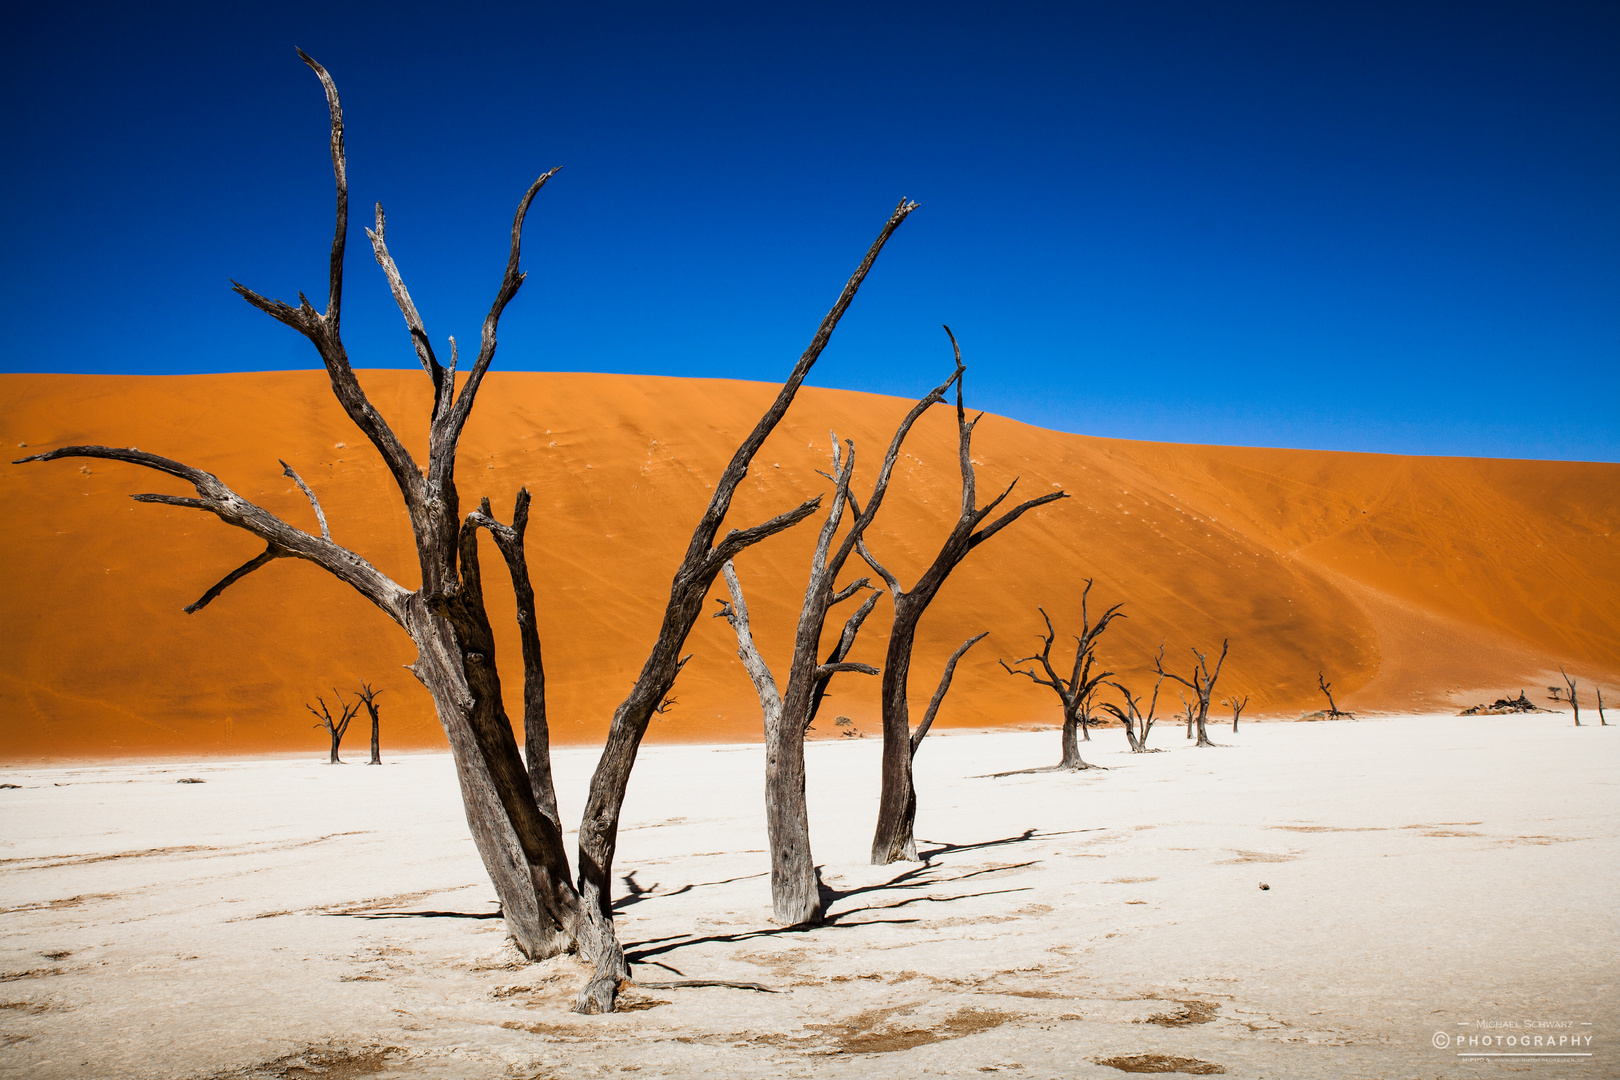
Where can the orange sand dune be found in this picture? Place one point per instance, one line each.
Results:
(1413, 582)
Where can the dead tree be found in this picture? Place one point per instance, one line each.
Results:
(1187, 709)
(1076, 691)
(788, 714)
(795, 894)
(1202, 684)
(1333, 711)
(1137, 723)
(897, 804)
(598, 833)
(369, 697)
(511, 807)
(1602, 721)
(1237, 709)
(1574, 703)
(335, 728)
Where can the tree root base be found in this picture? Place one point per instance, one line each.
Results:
(600, 995)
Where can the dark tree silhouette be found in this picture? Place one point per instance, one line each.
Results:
(369, 697)
(1075, 692)
(1574, 703)
(1333, 711)
(1202, 684)
(1137, 723)
(1237, 709)
(335, 728)
(897, 805)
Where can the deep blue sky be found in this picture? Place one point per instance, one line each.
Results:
(1370, 226)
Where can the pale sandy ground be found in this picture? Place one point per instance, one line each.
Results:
(289, 918)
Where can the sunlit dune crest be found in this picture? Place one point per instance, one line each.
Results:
(1413, 583)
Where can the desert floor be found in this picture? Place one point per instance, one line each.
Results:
(1429, 876)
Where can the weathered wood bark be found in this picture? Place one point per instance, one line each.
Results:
(1602, 720)
(897, 804)
(598, 833)
(1202, 684)
(536, 731)
(369, 697)
(1076, 691)
(795, 896)
(335, 728)
(1574, 702)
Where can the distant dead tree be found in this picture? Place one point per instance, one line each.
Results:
(788, 714)
(1075, 692)
(1202, 684)
(1556, 692)
(1137, 723)
(1237, 709)
(1574, 703)
(369, 697)
(1601, 719)
(335, 728)
(897, 805)
(510, 803)
(1333, 711)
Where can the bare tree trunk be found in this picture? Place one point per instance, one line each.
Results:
(598, 833)
(897, 802)
(1071, 743)
(795, 897)
(1603, 721)
(368, 696)
(897, 799)
(1573, 702)
(1237, 709)
(536, 732)
(904, 821)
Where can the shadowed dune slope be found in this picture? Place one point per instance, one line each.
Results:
(1413, 582)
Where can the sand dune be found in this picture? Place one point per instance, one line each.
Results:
(1413, 582)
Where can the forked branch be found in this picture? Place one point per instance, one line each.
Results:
(282, 540)
(320, 515)
(944, 686)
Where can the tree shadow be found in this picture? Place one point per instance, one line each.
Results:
(496, 914)
(635, 893)
(942, 848)
(915, 878)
